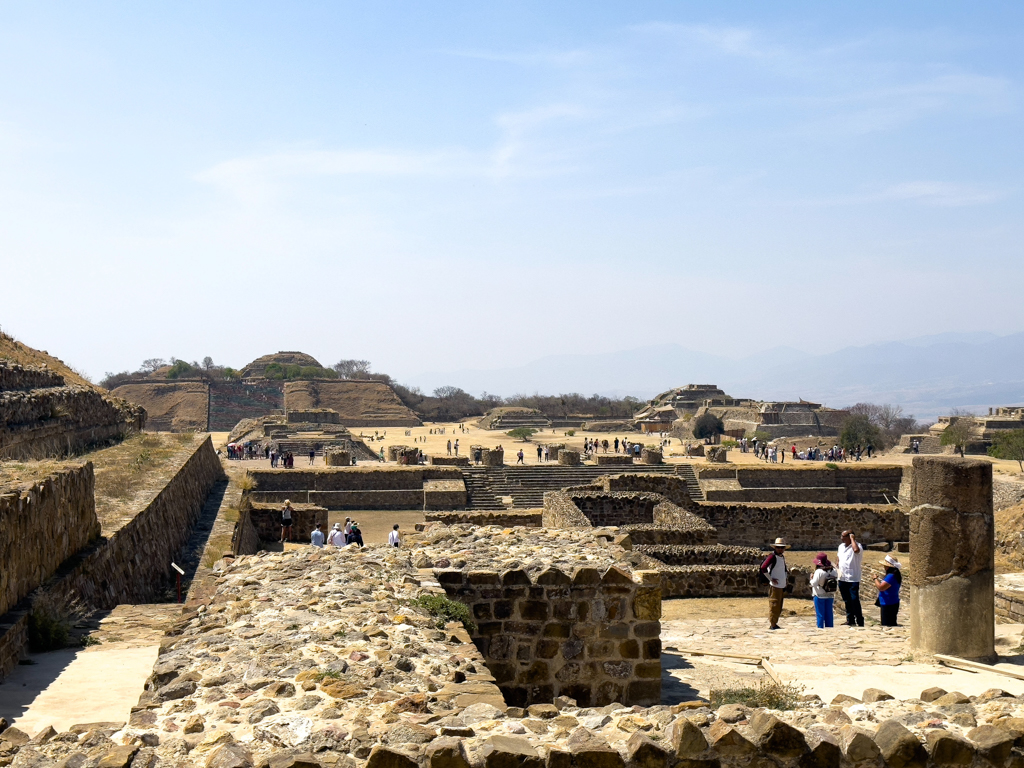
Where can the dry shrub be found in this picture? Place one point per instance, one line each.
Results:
(49, 623)
(768, 694)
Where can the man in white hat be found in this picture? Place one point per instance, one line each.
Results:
(774, 571)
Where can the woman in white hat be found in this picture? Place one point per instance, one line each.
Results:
(889, 590)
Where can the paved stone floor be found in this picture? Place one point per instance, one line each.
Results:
(100, 683)
(825, 661)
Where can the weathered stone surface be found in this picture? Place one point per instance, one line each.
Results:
(729, 742)
(775, 737)
(993, 744)
(510, 752)
(931, 694)
(951, 698)
(899, 747)
(871, 695)
(733, 713)
(642, 752)
(447, 753)
(857, 745)
(685, 739)
(946, 748)
(386, 757)
(230, 755)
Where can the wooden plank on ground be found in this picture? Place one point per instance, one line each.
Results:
(738, 656)
(976, 666)
(770, 671)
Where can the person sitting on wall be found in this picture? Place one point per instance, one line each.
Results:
(316, 538)
(356, 536)
(336, 538)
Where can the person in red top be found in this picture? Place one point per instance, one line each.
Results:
(793, 449)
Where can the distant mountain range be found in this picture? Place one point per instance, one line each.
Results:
(928, 375)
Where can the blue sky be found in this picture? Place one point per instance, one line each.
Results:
(435, 186)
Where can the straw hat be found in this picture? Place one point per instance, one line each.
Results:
(780, 542)
(337, 526)
(891, 562)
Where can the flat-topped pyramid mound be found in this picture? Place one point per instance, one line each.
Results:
(510, 417)
(359, 403)
(258, 367)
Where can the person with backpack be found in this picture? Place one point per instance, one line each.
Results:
(775, 573)
(824, 583)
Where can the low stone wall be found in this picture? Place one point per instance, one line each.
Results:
(15, 377)
(444, 494)
(671, 487)
(134, 564)
(789, 495)
(337, 458)
(805, 526)
(569, 458)
(530, 519)
(602, 459)
(863, 484)
(588, 635)
(616, 507)
(313, 416)
(663, 535)
(725, 581)
(41, 526)
(651, 456)
(675, 554)
(492, 458)
(1010, 606)
(245, 540)
(266, 520)
(448, 461)
(370, 487)
(59, 421)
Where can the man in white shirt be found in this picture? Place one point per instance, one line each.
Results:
(393, 540)
(774, 570)
(336, 538)
(850, 557)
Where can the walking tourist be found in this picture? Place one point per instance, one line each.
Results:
(774, 570)
(312, 456)
(336, 538)
(286, 521)
(889, 590)
(316, 538)
(824, 582)
(449, 447)
(540, 453)
(456, 447)
(393, 538)
(520, 455)
(851, 557)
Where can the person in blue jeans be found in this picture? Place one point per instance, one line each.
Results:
(889, 590)
(824, 582)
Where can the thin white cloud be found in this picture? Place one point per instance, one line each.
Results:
(941, 193)
(734, 41)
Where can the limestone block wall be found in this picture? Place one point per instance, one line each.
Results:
(568, 457)
(245, 540)
(675, 554)
(617, 507)
(57, 421)
(589, 635)
(444, 494)
(806, 526)
(728, 581)
(265, 520)
(337, 458)
(825, 495)
(671, 487)
(449, 461)
(864, 484)
(612, 459)
(528, 519)
(134, 564)
(661, 535)
(41, 526)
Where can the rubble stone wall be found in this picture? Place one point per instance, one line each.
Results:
(675, 554)
(727, 581)
(13, 640)
(444, 494)
(58, 421)
(449, 461)
(593, 637)
(530, 519)
(41, 526)
(656, 534)
(17, 377)
(805, 526)
(245, 540)
(134, 564)
(672, 488)
(266, 521)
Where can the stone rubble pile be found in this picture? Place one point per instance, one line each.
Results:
(494, 548)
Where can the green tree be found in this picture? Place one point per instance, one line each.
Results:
(1009, 445)
(707, 425)
(521, 433)
(958, 433)
(179, 369)
(858, 431)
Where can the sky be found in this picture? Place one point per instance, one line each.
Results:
(436, 186)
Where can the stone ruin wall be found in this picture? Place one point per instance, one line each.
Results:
(360, 487)
(134, 565)
(590, 636)
(805, 526)
(526, 518)
(265, 520)
(15, 377)
(671, 487)
(41, 526)
(58, 420)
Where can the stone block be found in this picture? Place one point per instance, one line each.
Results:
(509, 752)
(729, 742)
(947, 748)
(447, 752)
(778, 739)
(993, 744)
(641, 752)
(899, 747)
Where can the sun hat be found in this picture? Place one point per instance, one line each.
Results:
(891, 561)
(821, 559)
(780, 542)
(337, 526)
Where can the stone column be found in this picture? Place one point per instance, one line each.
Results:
(952, 543)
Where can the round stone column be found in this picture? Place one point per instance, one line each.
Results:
(952, 546)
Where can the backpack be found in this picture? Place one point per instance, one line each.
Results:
(831, 584)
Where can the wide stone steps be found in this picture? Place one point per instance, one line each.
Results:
(688, 474)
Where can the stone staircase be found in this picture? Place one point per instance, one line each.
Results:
(688, 474)
(485, 486)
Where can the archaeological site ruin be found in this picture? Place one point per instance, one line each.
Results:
(587, 607)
